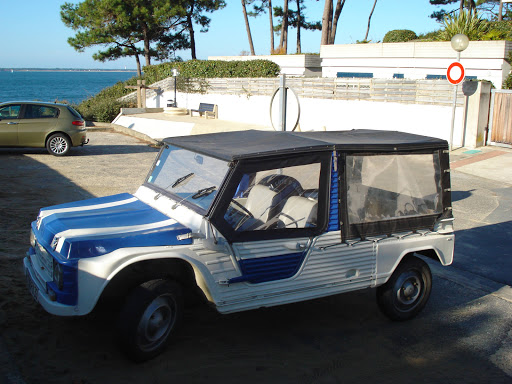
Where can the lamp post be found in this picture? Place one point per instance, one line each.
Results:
(459, 43)
(175, 74)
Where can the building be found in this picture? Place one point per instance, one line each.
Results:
(482, 60)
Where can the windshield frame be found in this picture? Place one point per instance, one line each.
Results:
(187, 201)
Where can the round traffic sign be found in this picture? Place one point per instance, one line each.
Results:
(455, 73)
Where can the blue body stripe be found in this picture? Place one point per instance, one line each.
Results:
(131, 214)
(334, 221)
(271, 268)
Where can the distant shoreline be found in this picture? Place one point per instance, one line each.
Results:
(63, 70)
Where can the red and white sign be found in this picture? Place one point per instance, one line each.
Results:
(455, 73)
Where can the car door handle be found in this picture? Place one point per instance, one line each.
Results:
(11, 123)
(295, 246)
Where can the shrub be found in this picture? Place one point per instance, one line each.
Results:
(471, 25)
(212, 69)
(499, 30)
(399, 35)
(101, 109)
(429, 36)
(507, 84)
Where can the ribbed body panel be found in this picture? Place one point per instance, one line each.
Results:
(325, 271)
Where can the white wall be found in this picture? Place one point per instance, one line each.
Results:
(429, 120)
(415, 60)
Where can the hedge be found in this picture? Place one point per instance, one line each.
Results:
(213, 68)
(399, 35)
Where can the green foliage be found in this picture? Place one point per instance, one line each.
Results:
(499, 30)
(507, 84)
(104, 110)
(213, 68)
(399, 35)
(105, 106)
(118, 25)
(429, 36)
(470, 24)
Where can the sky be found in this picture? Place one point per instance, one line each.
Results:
(37, 38)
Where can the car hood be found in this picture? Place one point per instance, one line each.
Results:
(98, 226)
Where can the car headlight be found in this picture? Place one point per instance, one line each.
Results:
(58, 276)
(32, 239)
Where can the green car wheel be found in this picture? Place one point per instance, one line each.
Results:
(58, 144)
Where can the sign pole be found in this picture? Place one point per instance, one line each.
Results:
(454, 107)
(282, 102)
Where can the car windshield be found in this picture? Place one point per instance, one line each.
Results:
(188, 176)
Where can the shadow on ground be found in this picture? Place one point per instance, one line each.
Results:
(342, 338)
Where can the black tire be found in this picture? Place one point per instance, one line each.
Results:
(407, 291)
(150, 315)
(58, 144)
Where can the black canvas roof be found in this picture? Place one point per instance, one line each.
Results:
(250, 144)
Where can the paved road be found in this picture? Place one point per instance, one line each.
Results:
(482, 206)
(464, 335)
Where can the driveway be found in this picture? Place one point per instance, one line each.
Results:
(463, 335)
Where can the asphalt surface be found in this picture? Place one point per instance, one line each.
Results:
(464, 335)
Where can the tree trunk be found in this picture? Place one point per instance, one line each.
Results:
(298, 27)
(147, 48)
(326, 22)
(271, 21)
(369, 20)
(461, 7)
(500, 11)
(339, 7)
(283, 44)
(249, 36)
(139, 69)
(190, 27)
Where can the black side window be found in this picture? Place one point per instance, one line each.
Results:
(284, 198)
(386, 187)
(10, 111)
(40, 112)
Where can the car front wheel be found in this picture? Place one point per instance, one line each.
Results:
(407, 291)
(58, 144)
(151, 313)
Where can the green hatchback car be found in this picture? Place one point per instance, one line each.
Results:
(58, 127)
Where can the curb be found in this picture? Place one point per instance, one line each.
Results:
(105, 127)
(471, 281)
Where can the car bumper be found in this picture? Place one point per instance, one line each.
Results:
(40, 293)
(79, 138)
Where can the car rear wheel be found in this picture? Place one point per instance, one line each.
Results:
(151, 313)
(407, 291)
(58, 144)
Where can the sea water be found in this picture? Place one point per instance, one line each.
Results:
(70, 86)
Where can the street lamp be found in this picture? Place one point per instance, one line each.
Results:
(459, 43)
(175, 74)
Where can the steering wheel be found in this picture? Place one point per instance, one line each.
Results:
(242, 208)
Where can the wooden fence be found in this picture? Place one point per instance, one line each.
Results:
(501, 117)
(433, 92)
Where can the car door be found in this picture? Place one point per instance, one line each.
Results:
(9, 122)
(35, 124)
(273, 213)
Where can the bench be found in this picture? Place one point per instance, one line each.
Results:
(206, 109)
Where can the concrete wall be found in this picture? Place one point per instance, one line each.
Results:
(415, 60)
(320, 114)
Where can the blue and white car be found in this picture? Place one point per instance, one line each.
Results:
(248, 220)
